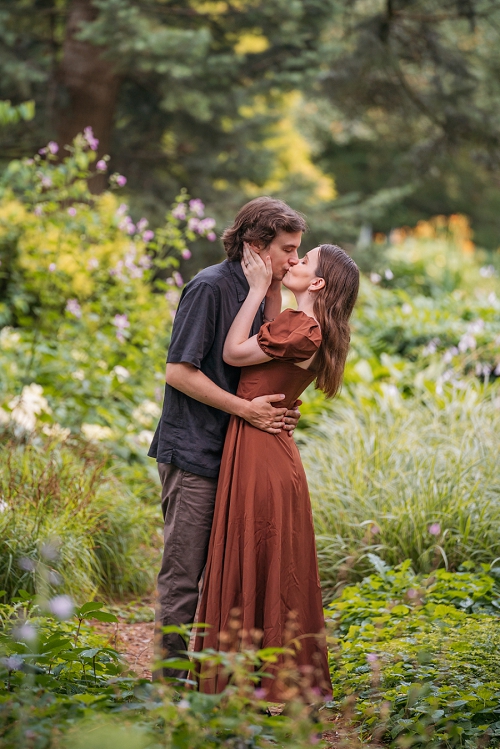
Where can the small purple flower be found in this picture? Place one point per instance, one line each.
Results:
(372, 657)
(12, 663)
(206, 224)
(122, 209)
(212, 236)
(53, 147)
(186, 254)
(42, 151)
(50, 549)
(25, 632)
(131, 228)
(196, 206)
(93, 263)
(434, 529)
(374, 529)
(27, 564)
(259, 693)
(61, 606)
(52, 267)
(179, 281)
(29, 162)
(72, 211)
(121, 181)
(179, 211)
(38, 210)
(411, 593)
(73, 308)
(101, 165)
(121, 322)
(46, 180)
(148, 235)
(142, 224)
(88, 134)
(193, 224)
(145, 261)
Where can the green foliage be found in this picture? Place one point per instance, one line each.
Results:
(64, 494)
(411, 664)
(61, 687)
(12, 114)
(414, 479)
(85, 315)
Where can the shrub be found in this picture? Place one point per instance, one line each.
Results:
(85, 313)
(405, 480)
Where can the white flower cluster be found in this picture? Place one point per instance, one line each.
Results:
(146, 412)
(25, 408)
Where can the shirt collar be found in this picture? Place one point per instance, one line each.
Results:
(240, 282)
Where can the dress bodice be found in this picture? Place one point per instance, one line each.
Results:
(292, 337)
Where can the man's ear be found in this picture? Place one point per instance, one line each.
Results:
(317, 284)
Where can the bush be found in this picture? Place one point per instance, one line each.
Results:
(85, 313)
(406, 480)
(412, 664)
(65, 494)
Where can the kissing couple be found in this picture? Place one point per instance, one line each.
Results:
(235, 500)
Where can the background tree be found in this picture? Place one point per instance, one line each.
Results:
(411, 95)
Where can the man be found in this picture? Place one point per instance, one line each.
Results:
(200, 395)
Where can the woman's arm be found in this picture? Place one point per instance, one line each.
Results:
(239, 349)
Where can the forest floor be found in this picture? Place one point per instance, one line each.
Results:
(135, 641)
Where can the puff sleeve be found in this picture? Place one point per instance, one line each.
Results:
(293, 336)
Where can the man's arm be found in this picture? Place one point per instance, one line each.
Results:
(259, 412)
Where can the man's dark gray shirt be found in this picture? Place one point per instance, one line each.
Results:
(191, 434)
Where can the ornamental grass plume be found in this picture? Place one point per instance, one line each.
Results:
(425, 474)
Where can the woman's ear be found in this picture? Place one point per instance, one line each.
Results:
(317, 284)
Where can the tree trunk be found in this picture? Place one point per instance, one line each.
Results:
(87, 87)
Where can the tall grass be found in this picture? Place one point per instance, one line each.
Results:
(405, 480)
(63, 495)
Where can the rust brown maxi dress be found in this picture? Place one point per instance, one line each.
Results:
(262, 553)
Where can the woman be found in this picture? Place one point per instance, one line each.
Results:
(262, 557)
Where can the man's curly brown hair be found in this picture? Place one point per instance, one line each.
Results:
(258, 222)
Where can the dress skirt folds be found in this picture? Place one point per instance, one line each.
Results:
(262, 568)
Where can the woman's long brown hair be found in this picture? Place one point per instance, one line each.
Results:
(332, 309)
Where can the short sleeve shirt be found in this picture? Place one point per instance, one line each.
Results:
(191, 434)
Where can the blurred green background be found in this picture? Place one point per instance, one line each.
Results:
(365, 115)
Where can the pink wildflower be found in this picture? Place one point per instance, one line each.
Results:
(73, 308)
(212, 236)
(53, 147)
(179, 211)
(179, 281)
(121, 181)
(434, 529)
(196, 206)
(88, 134)
(72, 211)
(101, 165)
(186, 254)
(148, 235)
(121, 322)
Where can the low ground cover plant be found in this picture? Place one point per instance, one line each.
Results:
(416, 657)
(62, 686)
